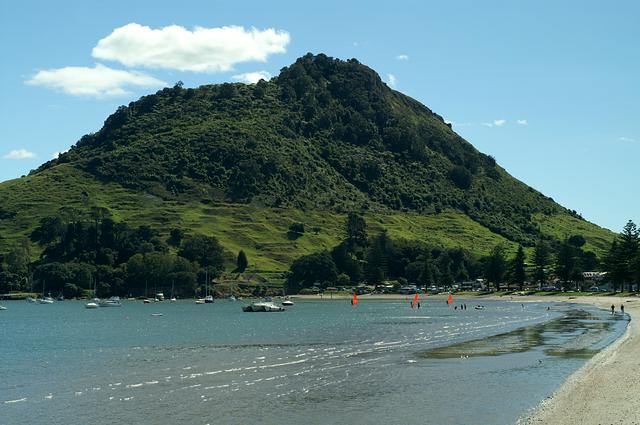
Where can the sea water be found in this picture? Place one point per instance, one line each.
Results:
(380, 362)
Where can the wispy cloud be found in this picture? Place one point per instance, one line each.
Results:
(402, 57)
(19, 154)
(56, 154)
(252, 77)
(522, 122)
(495, 123)
(201, 50)
(392, 81)
(99, 81)
(627, 139)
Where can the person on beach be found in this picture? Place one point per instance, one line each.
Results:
(613, 308)
(622, 309)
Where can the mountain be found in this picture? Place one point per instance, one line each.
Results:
(325, 137)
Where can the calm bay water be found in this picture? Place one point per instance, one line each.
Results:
(317, 362)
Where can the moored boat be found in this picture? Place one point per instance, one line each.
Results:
(208, 299)
(287, 302)
(91, 305)
(262, 307)
(111, 302)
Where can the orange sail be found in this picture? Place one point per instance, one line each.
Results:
(354, 301)
(414, 303)
(450, 299)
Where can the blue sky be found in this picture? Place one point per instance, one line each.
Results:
(550, 88)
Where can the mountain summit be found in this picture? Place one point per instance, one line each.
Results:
(326, 135)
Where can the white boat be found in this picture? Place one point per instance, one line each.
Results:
(173, 299)
(200, 301)
(159, 296)
(111, 302)
(46, 300)
(208, 299)
(146, 301)
(262, 306)
(2, 307)
(31, 300)
(287, 302)
(91, 305)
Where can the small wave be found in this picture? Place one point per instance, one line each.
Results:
(19, 400)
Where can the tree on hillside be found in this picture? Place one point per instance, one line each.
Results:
(517, 268)
(206, 251)
(356, 231)
(241, 262)
(175, 237)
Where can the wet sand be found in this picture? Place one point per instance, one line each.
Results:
(606, 390)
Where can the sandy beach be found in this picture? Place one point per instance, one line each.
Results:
(606, 390)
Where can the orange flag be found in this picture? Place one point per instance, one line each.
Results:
(450, 299)
(354, 301)
(414, 303)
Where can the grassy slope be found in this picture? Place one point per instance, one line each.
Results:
(261, 232)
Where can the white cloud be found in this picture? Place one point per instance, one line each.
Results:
(487, 124)
(19, 154)
(200, 50)
(627, 139)
(99, 81)
(499, 123)
(56, 154)
(392, 80)
(252, 77)
(402, 57)
(522, 122)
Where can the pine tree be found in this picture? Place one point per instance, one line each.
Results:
(241, 262)
(629, 244)
(541, 256)
(517, 267)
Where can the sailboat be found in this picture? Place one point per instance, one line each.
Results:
(95, 300)
(354, 300)
(45, 300)
(414, 302)
(173, 297)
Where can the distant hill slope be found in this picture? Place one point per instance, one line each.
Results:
(323, 138)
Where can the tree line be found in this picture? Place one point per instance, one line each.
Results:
(373, 259)
(95, 252)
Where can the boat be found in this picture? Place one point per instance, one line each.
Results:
(173, 299)
(262, 307)
(159, 296)
(31, 300)
(479, 307)
(173, 296)
(156, 314)
(46, 300)
(208, 299)
(200, 301)
(287, 302)
(91, 305)
(2, 307)
(146, 301)
(111, 302)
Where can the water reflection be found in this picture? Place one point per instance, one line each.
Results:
(574, 335)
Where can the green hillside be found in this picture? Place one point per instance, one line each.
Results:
(243, 162)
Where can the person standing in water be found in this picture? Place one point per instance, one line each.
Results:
(622, 309)
(613, 307)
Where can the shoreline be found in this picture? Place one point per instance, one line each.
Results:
(603, 391)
